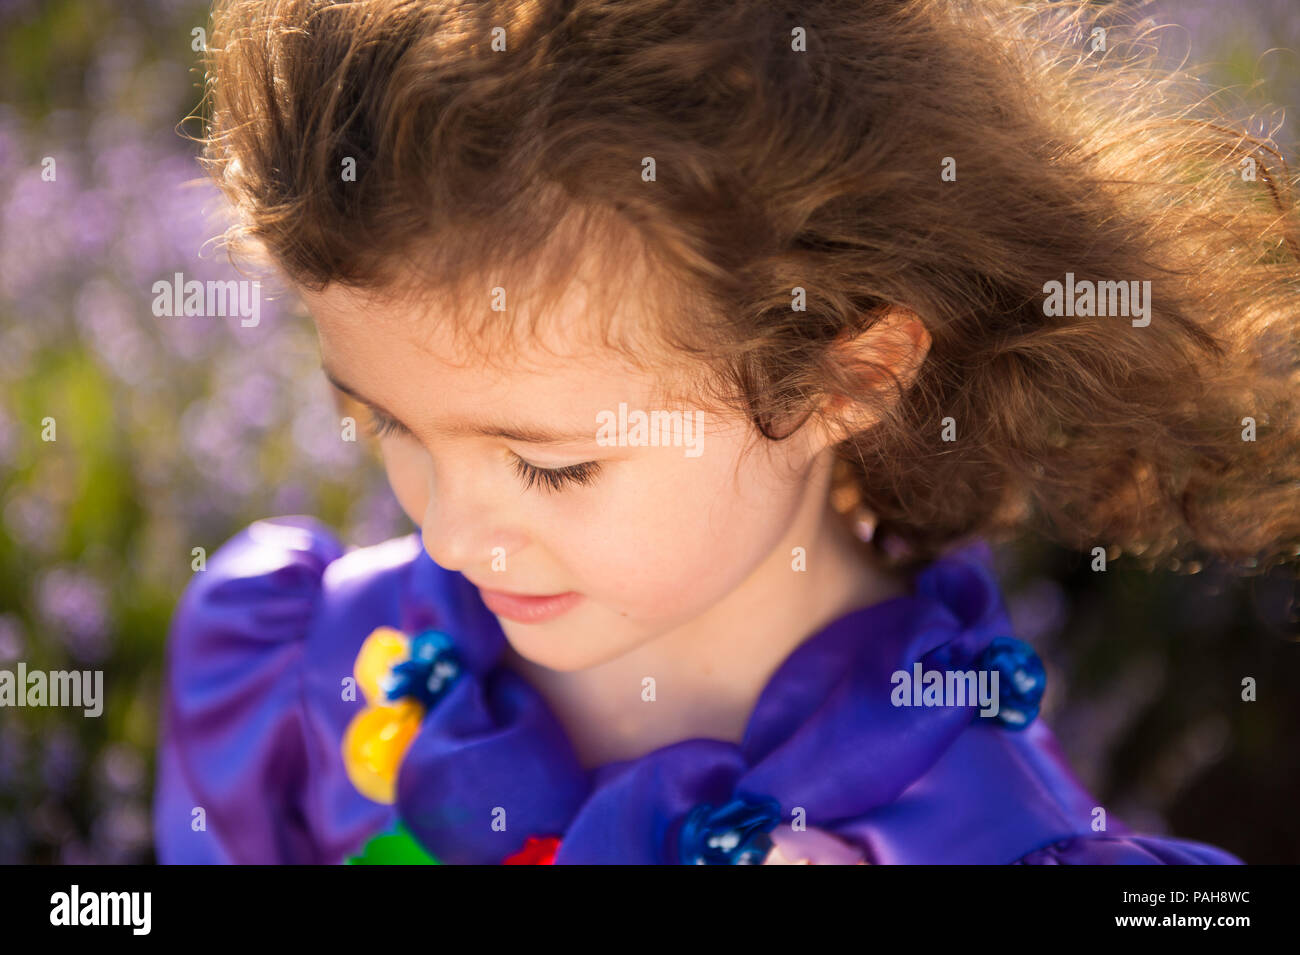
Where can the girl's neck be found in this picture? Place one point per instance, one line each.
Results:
(708, 675)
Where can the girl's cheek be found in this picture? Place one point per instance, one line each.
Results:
(656, 548)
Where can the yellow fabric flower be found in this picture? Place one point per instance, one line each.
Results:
(378, 737)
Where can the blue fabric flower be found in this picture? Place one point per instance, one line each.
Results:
(735, 834)
(1021, 680)
(429, 673)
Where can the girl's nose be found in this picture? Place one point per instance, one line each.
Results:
(465, 529)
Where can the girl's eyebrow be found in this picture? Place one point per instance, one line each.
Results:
(525, 434)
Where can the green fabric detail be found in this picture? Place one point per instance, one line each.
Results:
(395, 846)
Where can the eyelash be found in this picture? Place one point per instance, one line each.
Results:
(382, 426)
(554, 479)
(546, 479)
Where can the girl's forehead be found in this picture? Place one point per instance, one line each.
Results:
(576, 338)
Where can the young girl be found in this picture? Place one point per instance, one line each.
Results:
(707, 344)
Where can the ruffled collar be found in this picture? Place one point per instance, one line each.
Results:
(491, 767)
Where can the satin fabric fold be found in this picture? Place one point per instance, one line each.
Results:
(262, 648)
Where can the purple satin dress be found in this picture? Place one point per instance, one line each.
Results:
(253, 719)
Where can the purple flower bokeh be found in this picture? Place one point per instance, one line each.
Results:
(75, 605)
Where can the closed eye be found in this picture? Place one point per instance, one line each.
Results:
(382, 426)
(554, 479)
(548, 479)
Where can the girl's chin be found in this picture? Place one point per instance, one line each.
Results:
(564, 647)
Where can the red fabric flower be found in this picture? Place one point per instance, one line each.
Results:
(537, 850)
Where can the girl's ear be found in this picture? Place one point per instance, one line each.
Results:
(898, 342)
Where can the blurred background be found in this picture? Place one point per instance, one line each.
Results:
(174, 433)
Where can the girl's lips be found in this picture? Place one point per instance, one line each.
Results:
(524, 609)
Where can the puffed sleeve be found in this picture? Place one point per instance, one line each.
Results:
(232, 738)
(1129, 850)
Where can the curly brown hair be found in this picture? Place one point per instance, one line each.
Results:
(949, 156)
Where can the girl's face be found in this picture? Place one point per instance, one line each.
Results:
(511, 476)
